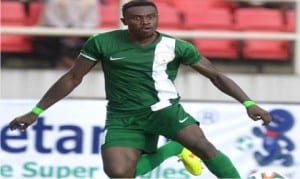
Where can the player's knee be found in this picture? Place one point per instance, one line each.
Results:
(200, 143)
(119, 171)
(203, 148)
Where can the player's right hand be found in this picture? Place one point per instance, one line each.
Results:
(257, 113)
(22, 122)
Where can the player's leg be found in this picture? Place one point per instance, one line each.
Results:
(120, 162)
(160, 122)
(218, 163)
(175, 123)
(123, 142)
(147, 162)
(120, 144)
(127, 161)
(125, 136)
(121, 151)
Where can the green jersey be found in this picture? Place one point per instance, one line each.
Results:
(136, 76)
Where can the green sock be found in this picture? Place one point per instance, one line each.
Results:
(148, 162)
(221, 166)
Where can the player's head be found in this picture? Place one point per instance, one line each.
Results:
(137, 3)
(141, 17)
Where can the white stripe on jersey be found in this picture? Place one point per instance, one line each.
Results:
(88, 57)
(164, 53)
(103, 137)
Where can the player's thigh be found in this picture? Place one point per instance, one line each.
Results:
(191, 136)
(121, 147)
(179, 125)
(194, 139)
(131, 138)
(175, 123)
(120, 161)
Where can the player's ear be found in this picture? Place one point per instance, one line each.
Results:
(123, 21)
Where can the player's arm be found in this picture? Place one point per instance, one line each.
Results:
(222, 82)
(230, 88)
(67, 83)
(61, 88)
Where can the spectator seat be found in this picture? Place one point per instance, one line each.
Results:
(262, 20)
(109, 15)
(13, 11)
(169, 17)
(275, 50)
(208, 18)
(217, 48)
(194, 5)
(259, 19)
(212, 19)
(291, 21)
(13, 14)
(35, 12)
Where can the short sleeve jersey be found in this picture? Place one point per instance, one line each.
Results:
(139, 77)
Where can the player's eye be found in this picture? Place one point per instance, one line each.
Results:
(136, 18)
(150, 17)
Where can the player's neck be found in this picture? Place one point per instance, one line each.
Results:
(144, 40)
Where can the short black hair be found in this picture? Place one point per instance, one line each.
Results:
(134, 3)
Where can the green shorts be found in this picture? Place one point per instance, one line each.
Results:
(141, 129)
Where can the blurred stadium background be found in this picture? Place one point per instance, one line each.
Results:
(255, 42)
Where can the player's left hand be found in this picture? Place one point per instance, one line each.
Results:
(257, 113)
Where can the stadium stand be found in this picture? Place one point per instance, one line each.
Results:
(109, 17)
(212, 19)
(191, 5)
(221, 49)
(262, 19)
(258, 19)
(207, 15)
(35, 10)
(13, 14)
(169, 17)
(208, 18)
(290, 20)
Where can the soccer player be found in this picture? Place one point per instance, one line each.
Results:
(140, 66)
